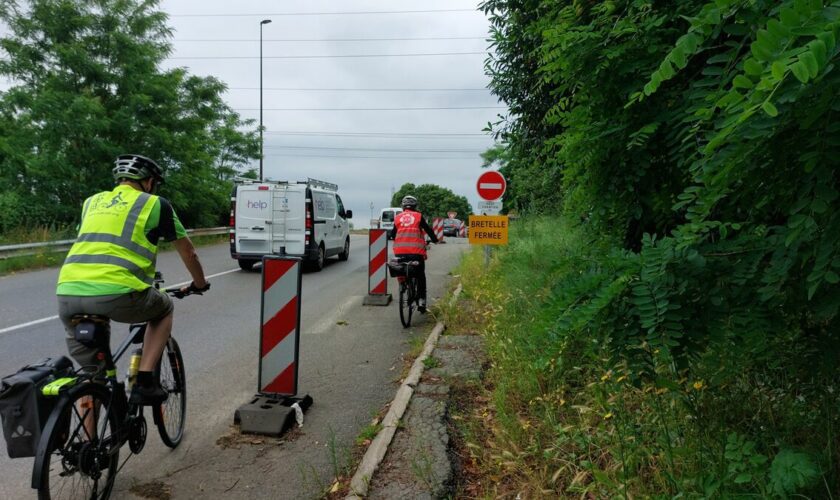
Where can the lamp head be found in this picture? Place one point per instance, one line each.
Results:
(265, 21)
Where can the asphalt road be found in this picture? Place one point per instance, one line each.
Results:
(349, 369)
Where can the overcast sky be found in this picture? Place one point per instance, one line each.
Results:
(362, 165)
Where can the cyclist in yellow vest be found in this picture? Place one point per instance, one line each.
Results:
(110, 269)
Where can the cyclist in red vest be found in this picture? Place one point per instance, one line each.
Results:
(410, 244)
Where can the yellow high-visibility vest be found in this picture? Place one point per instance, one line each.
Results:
(112, 247)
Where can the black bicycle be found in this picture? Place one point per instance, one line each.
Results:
(78, 454)
(405, 272)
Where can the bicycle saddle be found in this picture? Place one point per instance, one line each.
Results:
(91, 329)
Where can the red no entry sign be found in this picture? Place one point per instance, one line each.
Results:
(491, 185)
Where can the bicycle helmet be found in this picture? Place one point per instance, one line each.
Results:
(136, 168)
(409, 202)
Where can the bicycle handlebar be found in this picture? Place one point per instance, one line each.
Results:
(179, 293)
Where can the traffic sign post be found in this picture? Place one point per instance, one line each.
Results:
(489, 228)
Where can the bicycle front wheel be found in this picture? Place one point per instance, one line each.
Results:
(406, 303)
(170, 415)
(82, 448)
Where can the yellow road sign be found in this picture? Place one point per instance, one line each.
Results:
(488, 229)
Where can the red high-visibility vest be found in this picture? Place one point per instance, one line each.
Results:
(409, 238)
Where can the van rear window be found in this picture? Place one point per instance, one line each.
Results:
(388, 216)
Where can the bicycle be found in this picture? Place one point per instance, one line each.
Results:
(409, 294)
(78, 453)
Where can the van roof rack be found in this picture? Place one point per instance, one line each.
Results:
(322, 184)
(309, 181)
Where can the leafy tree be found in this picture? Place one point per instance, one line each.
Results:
(702, 138)
(87, 87)
(433, 200)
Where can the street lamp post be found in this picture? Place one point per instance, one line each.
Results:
(263, 22)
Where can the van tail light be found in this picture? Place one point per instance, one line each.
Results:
(262, 188)
(308, 223)
(233, 212)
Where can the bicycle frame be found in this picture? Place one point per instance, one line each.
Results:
(113, 389)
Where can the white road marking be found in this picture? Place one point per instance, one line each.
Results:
(44, 320)
(24, 325)
(330, 321)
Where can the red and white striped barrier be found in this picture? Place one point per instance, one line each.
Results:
(377, 268)
(377, 256)
(462, 231)
(437, 227)
(280, 326)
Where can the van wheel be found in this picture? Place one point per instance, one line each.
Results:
(346, 253)
(318, 263)
(246, 264)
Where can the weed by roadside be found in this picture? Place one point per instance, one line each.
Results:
(563, 415)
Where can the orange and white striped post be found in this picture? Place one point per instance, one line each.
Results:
(437, 227)
(280, 326)
(277, 405)
(377, 269)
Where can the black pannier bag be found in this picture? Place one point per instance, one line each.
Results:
(396, 269)
(24, 409)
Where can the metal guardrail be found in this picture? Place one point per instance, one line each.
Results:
(26, 249)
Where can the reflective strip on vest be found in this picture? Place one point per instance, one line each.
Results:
(116, 240)
(131, 267)
(96, 248)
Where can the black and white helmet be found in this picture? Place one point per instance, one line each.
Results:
(136, 168)
(409, 202)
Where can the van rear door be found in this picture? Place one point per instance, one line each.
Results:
(253, 214)
(288, 227)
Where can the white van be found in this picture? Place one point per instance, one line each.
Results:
(302, 219)
(387, 217)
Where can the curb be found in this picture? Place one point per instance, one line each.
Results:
(375, 453)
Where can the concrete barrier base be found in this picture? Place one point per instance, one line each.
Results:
(268, 415)
(377, 300)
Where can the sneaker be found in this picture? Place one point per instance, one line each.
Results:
(421, 305)
(147, 396)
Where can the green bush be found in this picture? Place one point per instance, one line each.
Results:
(581, 415)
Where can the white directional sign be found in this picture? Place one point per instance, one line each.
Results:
(489, 207)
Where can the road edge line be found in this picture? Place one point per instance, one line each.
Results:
(375, 453)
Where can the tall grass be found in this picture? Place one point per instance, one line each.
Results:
(36, 234)
(567, 416)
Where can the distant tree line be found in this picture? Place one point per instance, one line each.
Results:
(434, 201)
(87, 85)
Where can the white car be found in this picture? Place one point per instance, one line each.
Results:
(387, 217)
(301, 219)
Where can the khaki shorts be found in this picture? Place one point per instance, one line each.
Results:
(134, 307)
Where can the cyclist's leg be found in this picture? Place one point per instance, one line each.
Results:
(421, 279)
(85, 356)
(149, 306)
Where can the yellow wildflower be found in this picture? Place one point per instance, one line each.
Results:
(608, 416)
(698, 385)
(606, 376)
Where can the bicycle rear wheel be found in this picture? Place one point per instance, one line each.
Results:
(82, 448)
(406, 302)
(170, 416)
